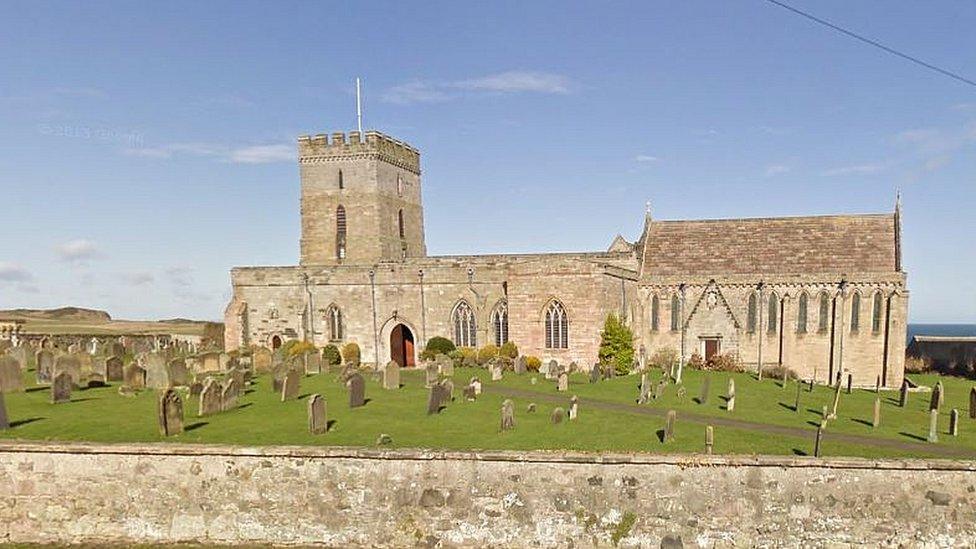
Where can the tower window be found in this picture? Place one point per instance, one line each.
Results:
(465, 327)
(342, 185)
(333, 317)
(876, 313)
(824, 313)
(557, 327)
(399, 185)
(340, 232)
(751, 316)
(675, 313)
(400, 223)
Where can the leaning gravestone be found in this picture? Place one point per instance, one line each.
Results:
(435, 399)
(134, 376)
(113, 368)
(563, 383)
(903, 394)
(11, 379)
(508, 415)
(317, 420)
(291, 385)
(157, 372)
(170, 413)
(431, 372)
(210, 402)
(972, 403)
(313, 363)
(521, 365)
(391, 375)
(61, 388)
(179, 376)
(448, 386)
(496, 370)
(936, 401)
(557, 416)
(595, 373)
(573, 408)
(357, 390)
(45, 366)
(230, 391)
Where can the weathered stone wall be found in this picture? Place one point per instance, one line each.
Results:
(351, 498)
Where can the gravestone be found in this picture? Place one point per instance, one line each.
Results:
(876, 417)
(705, 388)
(557, 416)
(45, 366)
(113, 369)
(730, 403)
(61, 388)
(313, 363)
(954, 422)
(317, 419)
(521, 365)
(391, 375)
(431, 374)
(261, 360)
(508, 415)
(645, 389)
(445, 364)
(208, 362)
(594, 374)
(933, 425)
(240, 377)
(469, 394)
(796, 402)
(435, 399)
(850, 381)
(224, 362)
(669, 426)
(818, 442)
(134, 376)
(357, 390)
(4, 418)
(196, 388)
(11, 378)
(936, 401)
(563, 382)
(179, 376)
(903, 394)
(573, 367)
(552, 369)
(170, 413)
(659, 389)
(291, 385)
(448, 386)
(476, 383)
(709, 439)
(972, 403)
(157, 372)
(530, 408)
(496, 370)
(573, 408)
(210, 398)
(230, 392)
(278, 373)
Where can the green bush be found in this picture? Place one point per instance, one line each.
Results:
(437, 345)
(469, 356)
(331, 355)
(509, 349)
(487, 353)
(532, 363)
(617, 344)
(350, 354)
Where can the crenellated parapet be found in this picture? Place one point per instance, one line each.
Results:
(338, 145)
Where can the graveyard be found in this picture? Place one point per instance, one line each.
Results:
(516, 412)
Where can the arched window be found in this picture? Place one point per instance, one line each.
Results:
(499, 323)
(655, 314)
(465, 326)
(675, 313)
(772, 318)
(333, 319)
(399, 185)
(400, 223)
(340, 232)
(751, 316)
(824, 320)
(557, 326)
(876, 313)
(855, 312)
(342, 184)
(801, 314)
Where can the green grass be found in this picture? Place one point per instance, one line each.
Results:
(102, 415)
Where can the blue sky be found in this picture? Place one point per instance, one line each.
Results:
(145, 149)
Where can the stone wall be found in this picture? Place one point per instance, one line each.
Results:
(347, 497)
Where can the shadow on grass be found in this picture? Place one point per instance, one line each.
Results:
(799, 452)
(862, 421)
(20, 422)
(789, 407)
(245, 405)
(330, 424)
(660, 435)
(36, 389)
(82, 399)
(814, 423)
(916, 437)
(195, 426)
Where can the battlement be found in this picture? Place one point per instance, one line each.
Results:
(321, 147)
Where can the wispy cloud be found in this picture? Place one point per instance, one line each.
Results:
(509, 82)
(936, 147)
(139, 278)
(776, 169)
(263, 154)
(11, 272)
(646, 158)
(250, 154)
(78, 251)
(858, 169)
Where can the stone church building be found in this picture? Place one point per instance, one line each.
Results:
(820, 294)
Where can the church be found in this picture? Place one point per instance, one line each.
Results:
(824, 296)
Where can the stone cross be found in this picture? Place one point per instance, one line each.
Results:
(933, 425)
(291, 385)
(391, 375)
(669, 426)
(210, 401)
(954, 422)
(170, 413)
(563, 382)
(557, 415)
(903, 394)
(876, 419)
(61, 388)
(709, 439)
(357, 390)
(573, 408)
(508, 415)
(317, 419)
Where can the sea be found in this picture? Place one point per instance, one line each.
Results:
(941, 330)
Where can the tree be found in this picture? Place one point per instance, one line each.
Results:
(617, 344)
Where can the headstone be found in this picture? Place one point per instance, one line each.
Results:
(669, 426)
(573, 367)
(230, 392)
(45, 366)
(563, 383)
(391, 375)
(313, 363)
(645, 390)
(431, 373)
(557, 416)
(113, 369)
(317, 419)
(448, 386)
(972, 403)
(573, 408)
(850, 381)
(157, 372)
(876, 418)
(954, 422)
(476, 383)
(877, 384)
(435, 399)
(705, 386)
(659, 389)
(224, 362)
(508, 415)
(19, 353)
(595, 374)
(170, 413)
(552, 370)
(61, 388)
(4, 418)
(261, 360)
(291, 386)
(196, 388)
(730, 404)
(938, 396)
(469, 393)
(11, 378)
(818, 442)
(521, 365)
(179, 376)
(903, 394)
(933, 425)
(445, 365)
(533, 380)
(278, 373)
(709, 439)
(833, 409)
(134, 376)
(530, 408)
(496, 370)
(357, 390)
(796, 402)
(210, 398)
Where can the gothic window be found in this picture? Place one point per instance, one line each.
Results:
(333, 318)
(655, 313)
(340, 232)
(400, 223)
(399, 185)
(876, 313)
(499, 323)
(772, 319)
(752, 314)
(675, 313)
(801, 314)
(855, 312)
(557, 326)
(341, 183)
(465, 326)
(824, 320)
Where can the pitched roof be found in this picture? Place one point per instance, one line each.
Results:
(814, 244)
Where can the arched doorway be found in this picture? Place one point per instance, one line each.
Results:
(275, 343)
(401, 346)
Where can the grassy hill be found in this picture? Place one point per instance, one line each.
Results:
(78, 320)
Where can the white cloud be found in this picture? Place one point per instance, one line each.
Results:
(78, 251)
(935, 147)
(250, 154)
(509, 82)
(139, 278)
(646, 158)
(263, 154)
(859, 169)
(11, 272)
(776, 169)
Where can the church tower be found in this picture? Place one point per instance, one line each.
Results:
(361, 200)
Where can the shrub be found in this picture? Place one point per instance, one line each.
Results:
(664, 358)
(437, 345)
(469, 356)
(917, 365)
(696, 361)
(487, 353)
(532, 363)
(331, 355)
(294, 348)
(617, 344)
(350, 354)
(777, 371)
(724, 363)
(509, 349)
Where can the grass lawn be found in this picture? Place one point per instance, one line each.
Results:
(609, 420)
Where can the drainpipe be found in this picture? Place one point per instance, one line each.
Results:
(759, 329)
(376, 339)
(840, 338)
(681, 318)
(423, 310)
(309, 320)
